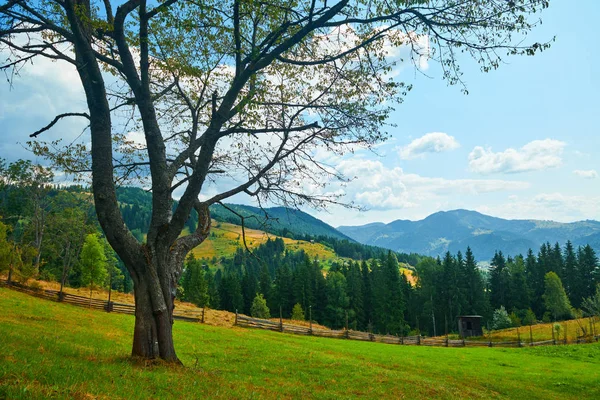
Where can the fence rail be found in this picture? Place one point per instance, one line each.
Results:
(256, 323)
(86, 302)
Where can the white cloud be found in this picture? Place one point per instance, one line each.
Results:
(377, 187)
(587, 174)
(434, 142)
(534, 156)
(547, 206)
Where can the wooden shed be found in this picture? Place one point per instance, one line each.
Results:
(470, 325)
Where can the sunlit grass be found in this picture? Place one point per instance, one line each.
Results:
(51, 350)
(225, 238)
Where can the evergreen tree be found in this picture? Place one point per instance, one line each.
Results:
(297, 313)
(476, 301)
(265, 284)
(452, 287)
(367, 294)
(259, 307)
(337, 300)
(284, 295)
(588, 273)
(535, 272)
(430, 295)
(213, 291)
(230, 293)
(556, 260)
(571, 275)
(498, 281)
(319, 288)
(249, 288)
(355, 293)
(195, 287)
(518, 296)
(388, 304)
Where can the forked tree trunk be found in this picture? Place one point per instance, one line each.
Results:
(153, 331)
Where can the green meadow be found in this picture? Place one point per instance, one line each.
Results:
(51, 350)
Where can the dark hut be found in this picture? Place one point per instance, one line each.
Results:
(470, 325)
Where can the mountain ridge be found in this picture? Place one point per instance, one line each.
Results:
(454, 230)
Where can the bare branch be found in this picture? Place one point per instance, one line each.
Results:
(56, 119)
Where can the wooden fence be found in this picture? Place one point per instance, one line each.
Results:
(249, 322)
(97, 304)
(256, 323)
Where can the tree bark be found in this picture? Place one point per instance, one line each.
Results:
(153, 331)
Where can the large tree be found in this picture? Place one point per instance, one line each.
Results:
(236, 88)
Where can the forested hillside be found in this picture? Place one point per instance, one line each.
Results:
(277, 220)
(136, 204)
(51, 233)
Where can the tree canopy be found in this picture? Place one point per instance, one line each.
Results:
(242, 91)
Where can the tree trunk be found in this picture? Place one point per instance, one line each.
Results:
(10, 272)
(153, 331)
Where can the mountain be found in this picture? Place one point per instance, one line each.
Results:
(278, 220)
(455, 230)
(136, 205)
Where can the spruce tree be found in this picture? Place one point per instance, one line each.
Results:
(355, 293)
(230, 293)
(367, 293)
(297, 313)
(337, 300)
(571, 276)
(259, 308)
(589, 274)
(476, 300)
(518, 293)
(498, 281)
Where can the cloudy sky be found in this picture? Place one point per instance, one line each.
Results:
(523, 144)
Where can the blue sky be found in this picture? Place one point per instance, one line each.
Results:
(522, 144)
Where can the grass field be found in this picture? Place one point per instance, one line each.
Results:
(51, 350)
(541, 332)
(225, 238)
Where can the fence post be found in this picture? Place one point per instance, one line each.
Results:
(347, 335)
(280, 319)
(236, 317)
(310, 320)
(519, 337)
(553, 338)
(419, 339)
(565, 333)
(203, 312)
(530, 336)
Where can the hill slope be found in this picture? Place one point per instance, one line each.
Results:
(52, 350)
(457, 229)
(137, 204)
(226, 238)
(279, 220)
